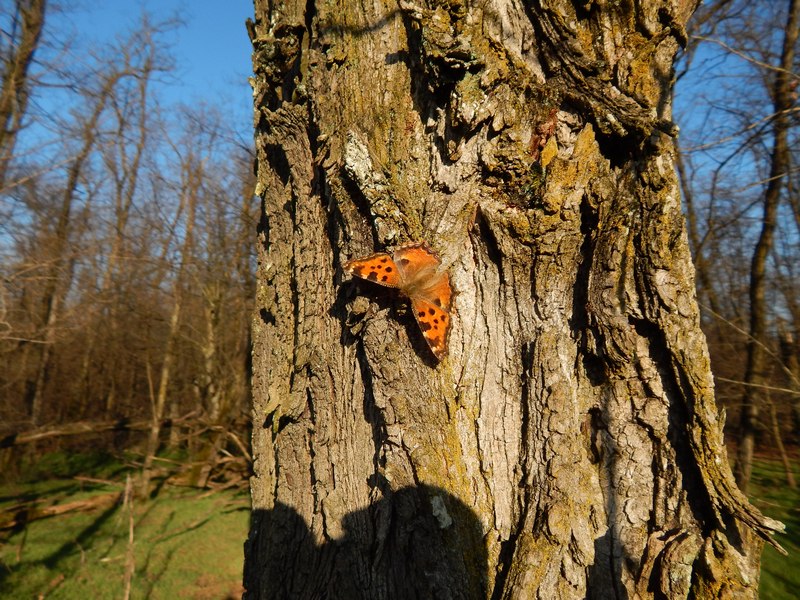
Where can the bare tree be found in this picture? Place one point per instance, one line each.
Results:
(202, 363)
(17, 48)
(224, 276)
(193, 172)
(756, 373)
(127, 275)
(132, 123)
(569, 445)
(736, 180)
(58, 273)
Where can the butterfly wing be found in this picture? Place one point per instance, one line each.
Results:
(434, 322)
(430, 293)
(379, 268)
(436, 290)
(416, 261)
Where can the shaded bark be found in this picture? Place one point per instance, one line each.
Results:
(569, 446)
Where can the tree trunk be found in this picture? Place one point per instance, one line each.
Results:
(124, 161)
(756, 376)
(60, 270)
(569, 446)
(705, 279)
(192, 170)
(788, 469)
(17, 57)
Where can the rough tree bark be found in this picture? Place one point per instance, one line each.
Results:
(569, 446)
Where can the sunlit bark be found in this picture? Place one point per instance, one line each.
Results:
(569, 446)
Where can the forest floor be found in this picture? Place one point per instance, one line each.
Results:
(188, 543)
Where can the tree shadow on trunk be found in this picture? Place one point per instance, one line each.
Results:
(416, 542)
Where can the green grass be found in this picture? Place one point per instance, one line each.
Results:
(185, 545)
(188, 546)
(780, 575)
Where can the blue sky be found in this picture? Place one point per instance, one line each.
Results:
(212, 50)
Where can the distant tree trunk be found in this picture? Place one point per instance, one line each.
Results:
(788, 468)
(756, 375)
(123, 157)
(705, 280)
(569, 446)
(210, 392)
(790, 349)
(58, 272)
(19, 47)
(192, 173)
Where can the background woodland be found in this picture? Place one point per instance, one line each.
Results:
(126, 247)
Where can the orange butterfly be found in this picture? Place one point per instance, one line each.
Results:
(416, 271)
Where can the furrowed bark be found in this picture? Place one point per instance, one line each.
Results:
(569, 446)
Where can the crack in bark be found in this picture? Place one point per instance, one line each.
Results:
(616, 113)
(508, 547)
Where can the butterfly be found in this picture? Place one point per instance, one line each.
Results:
(415, 270)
